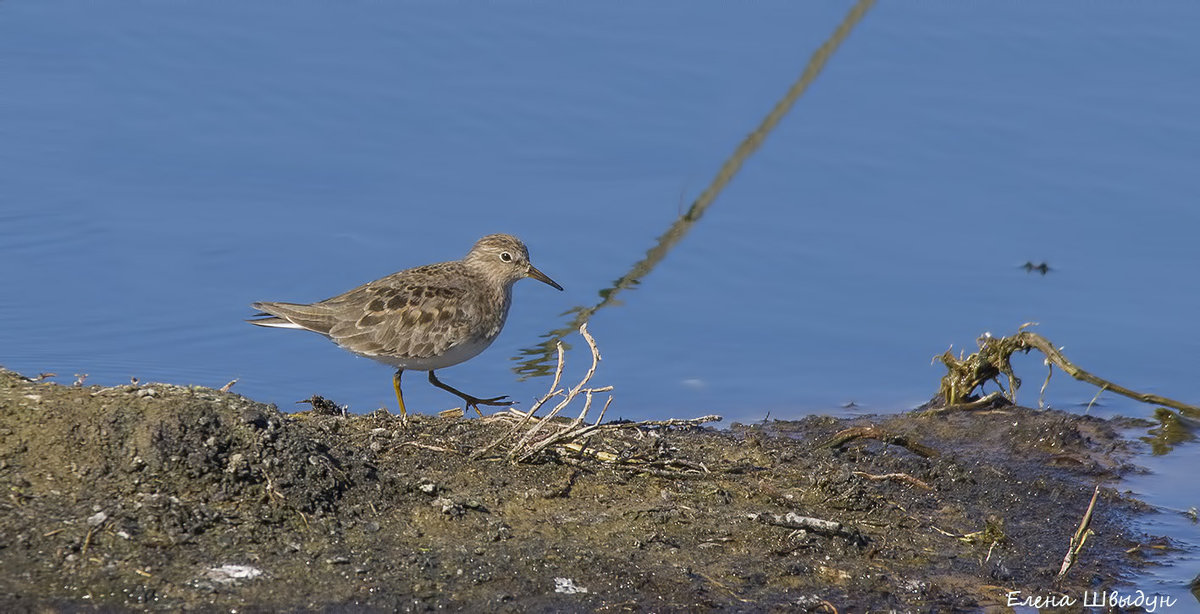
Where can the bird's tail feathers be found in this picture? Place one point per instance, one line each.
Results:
(315, 317)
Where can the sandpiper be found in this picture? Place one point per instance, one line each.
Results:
(421, 319)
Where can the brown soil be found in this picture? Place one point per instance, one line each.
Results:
(135, 497)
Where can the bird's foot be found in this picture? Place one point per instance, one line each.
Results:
(475, 402)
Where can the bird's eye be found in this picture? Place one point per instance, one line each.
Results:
(506, 257)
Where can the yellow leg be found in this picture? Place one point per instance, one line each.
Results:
(399, 396)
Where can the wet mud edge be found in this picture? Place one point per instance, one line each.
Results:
(158, 496)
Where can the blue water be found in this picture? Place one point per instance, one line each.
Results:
(163, 165)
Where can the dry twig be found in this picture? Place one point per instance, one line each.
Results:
(569, 438)
(427, 446)
(792, 520)
(984, 401)
(524, 417)
(526, 446)
(1080, 537)
(899, 477)
(843, 437)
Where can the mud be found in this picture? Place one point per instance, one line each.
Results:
(164, 497)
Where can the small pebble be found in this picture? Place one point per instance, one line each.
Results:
(97, 519)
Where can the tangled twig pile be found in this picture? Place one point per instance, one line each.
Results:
(532, 436)
(965, 375)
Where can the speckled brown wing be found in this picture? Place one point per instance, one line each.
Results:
(415, 314)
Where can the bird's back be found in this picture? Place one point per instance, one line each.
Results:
(426, 317)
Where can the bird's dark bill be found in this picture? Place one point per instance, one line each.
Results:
(540, 276)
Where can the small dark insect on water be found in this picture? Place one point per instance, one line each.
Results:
(1042, 268)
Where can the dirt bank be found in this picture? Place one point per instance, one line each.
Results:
(165, 497)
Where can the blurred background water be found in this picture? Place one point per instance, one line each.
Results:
(163, 165)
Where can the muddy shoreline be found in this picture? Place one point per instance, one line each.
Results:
(164, 497)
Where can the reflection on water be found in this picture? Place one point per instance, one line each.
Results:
(539, 360)
(1172, 430)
